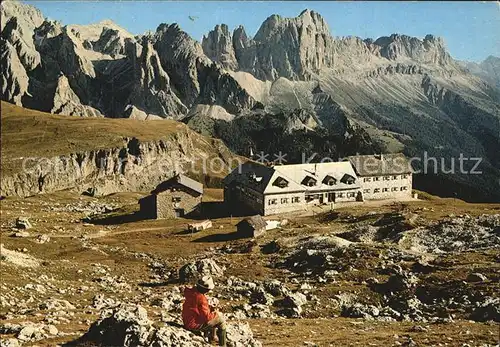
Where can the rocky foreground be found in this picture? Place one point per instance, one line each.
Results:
(291, 86)
(82, 271)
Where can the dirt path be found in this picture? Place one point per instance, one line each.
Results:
(104, 233)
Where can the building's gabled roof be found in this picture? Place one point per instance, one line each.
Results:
(190, 183)
(381, 164)
(182, 180)
(256, 222)
(261, 178)
(251, 174)
(296, 174)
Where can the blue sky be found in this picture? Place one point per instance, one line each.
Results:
(471, 30)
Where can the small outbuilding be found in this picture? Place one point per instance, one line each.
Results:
(173, 198)
(252, 227)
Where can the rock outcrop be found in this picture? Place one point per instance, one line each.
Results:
(14, 78)
(218, 46)
(129, 325)
(488, 69)
(294, 48)
(133, 165)
(430, 50)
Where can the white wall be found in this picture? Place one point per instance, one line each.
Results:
(369, 184)
(283, 205)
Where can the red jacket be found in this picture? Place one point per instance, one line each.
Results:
(195, 310)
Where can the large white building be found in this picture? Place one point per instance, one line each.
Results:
(383, 176)
(285, 188)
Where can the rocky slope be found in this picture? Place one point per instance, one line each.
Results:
(85, 271)
(44, 153)
(488, 69)
(292, 79)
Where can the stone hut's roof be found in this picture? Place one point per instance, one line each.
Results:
(182, 180)
(256, 222)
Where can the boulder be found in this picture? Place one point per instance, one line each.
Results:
(56, 305)
(21, 234)
(9, 343)
(100, 301)
(476, 277)
(275, 288)
(241, 335)
(488, 310)
(293, 305)
(260, 296)
(203, 267)
(359, 310)
(23, 223)
(128, 325)
(43, 238)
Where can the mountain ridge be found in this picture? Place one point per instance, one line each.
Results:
(394, 93)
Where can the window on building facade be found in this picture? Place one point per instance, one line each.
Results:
(385, 189)
(284, 200)
(394, 189)
(176, 199)
(366, 190)
(367, 179)
(404, 188)
(272, 201)
(295, 199)
(376, 178)
(404, 176)
(394, 177)
(351, 195)
(376, 190)
(340, 195)
(386, 178)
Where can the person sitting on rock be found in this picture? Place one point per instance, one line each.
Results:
(198, 315)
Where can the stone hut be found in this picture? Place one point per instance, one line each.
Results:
(173, 198)
(251, 227)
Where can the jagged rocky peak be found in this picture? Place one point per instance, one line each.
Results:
(240, 38)
(110, 42)
(218, 46)
(181, 42)
(430, 50)
(14, 78)
(18, 23)
(180, 55)
(309, 21)
(66, 102)
(31, 16)
(353, 52)
(47, 30)
(295, 48)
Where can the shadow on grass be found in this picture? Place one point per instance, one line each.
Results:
(118, 219)
(218, 209)
(154, 284)
(220, 237)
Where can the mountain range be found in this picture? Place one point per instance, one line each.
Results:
(292, 87)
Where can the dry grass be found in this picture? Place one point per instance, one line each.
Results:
(29, 133)
(64, 255)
